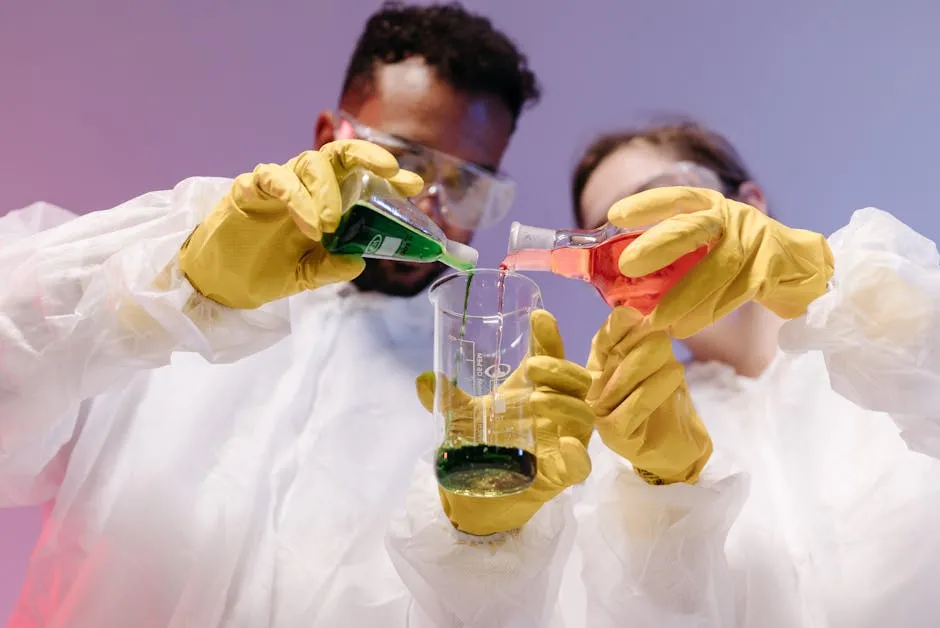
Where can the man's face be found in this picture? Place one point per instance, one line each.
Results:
(410, 102)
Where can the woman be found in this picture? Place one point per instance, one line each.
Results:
(620, 164)
(813, 510)
(755, 488)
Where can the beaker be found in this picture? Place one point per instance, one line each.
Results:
(481, 339)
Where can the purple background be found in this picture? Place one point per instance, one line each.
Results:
(832, 103)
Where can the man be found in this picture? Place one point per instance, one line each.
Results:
(422, 78)
(256, 491)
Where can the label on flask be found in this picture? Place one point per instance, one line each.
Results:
(383, 245)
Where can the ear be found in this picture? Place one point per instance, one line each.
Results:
(752, 194)
(324, 130)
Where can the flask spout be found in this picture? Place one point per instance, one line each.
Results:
(460, 256)
(524, 238)
(530, 248)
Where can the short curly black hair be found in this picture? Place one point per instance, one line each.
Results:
(464, 49)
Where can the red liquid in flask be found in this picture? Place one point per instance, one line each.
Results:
(598, 266)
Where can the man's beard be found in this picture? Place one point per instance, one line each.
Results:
(397, 279)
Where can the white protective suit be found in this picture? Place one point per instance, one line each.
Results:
(208, 469)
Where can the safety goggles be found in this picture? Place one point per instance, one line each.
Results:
(684, 174)
(468, 196)
(678, 174)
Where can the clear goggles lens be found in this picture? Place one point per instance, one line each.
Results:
(467, 196)
(684, 174)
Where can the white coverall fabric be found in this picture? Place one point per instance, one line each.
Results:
(816, 510)
(212, 467)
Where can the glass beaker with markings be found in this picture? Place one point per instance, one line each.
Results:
(481, 339)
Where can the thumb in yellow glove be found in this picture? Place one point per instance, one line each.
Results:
(261, 243)
(563, 426)
(751, 257)
(639, 394)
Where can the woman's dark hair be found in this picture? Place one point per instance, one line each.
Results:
(687, 141)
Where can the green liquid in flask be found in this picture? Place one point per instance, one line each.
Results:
(368, 232)
(485, 470)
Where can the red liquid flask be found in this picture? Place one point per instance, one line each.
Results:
(592, 256)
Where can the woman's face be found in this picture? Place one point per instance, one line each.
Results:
(622, 173)
(632, 168)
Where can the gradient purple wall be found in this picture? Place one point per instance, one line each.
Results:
(832, 103)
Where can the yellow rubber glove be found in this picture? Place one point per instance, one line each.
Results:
(563, 426)
(642, 404)
(261, 243)
(751, 257)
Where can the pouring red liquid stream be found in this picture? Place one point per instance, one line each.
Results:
(597, 265)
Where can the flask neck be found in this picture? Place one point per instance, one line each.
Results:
(527, 238)
(586, 238)
(561, 251)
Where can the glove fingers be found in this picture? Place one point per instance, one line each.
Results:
(621, 322)
(628, 343)
(652, 206)
(517, 379)
(407, 183)
(344, 155)
(709, 292)
(575, 461)
(562, 461)
(318, 268)
(425, 385)
(623, 329)
(559, 375)
(319, 181)
(664, 243)
(285, 189)
(252, 192)
(570, 416)
(624, 376)
(620, 424)
(452, 397)
(546, 339)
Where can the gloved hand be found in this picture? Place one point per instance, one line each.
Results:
(563, 426)
(751, 257)
(261, 243)
(642, 404)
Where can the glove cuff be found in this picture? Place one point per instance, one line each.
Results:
(649, 478)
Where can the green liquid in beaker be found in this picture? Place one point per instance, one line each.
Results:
(485, 470)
